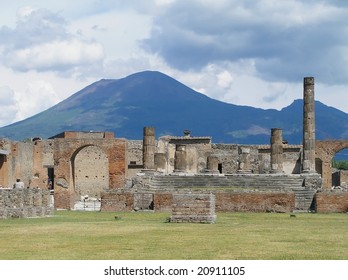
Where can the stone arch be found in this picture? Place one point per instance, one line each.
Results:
(65, 152)
(90, 171)
(325, 151)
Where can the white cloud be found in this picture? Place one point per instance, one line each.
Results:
(38, 96)
(24, 11)
(41, 41)
(248, 52)
(27, 93)
(8, 106)
(55, 56)
(286, 39)
(225, 79)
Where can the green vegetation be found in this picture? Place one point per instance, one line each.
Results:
(104, 235)
(340, 164)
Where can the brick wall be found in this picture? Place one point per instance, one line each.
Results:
(193, 208)
(66, 151)
(163, 201)
(224, 201)
(117, 200)
(255, 202)
(331, 202)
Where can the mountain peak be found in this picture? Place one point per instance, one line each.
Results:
(151, 98)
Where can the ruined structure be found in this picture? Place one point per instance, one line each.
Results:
(150, 174)
(308, 163)
(276, 151)
(80, 165)
(25, 203)
(149, 148)
(193, 208)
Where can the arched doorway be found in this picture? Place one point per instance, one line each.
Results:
(325, 151)
(340, 169)
(90, 171)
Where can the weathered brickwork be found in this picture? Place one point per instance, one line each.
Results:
(325, 152)
(123, 173)
(255, 202)
(163, 201)
(117, 200)
(331, 202)
(193, 208)
(111, 155)
(224, 201)
(24, 203)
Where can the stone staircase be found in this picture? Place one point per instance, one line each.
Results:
(304, 199)
(237, 183)
(233, 182)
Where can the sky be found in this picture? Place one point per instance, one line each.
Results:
(244, 52)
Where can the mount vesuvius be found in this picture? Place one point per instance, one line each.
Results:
(151, 98)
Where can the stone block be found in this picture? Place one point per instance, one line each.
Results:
(193, 208)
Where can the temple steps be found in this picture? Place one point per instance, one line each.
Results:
(256, 182)
(237, 183)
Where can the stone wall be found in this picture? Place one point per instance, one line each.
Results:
(340, 179)
(78, 163)
(163, 201)
(343, 178)
(255, 202)
(331, 202)
(27, 161)
(193, 208)
(123, 200)
(197, 151)
(134, 157)
(260, 158)
(227, 155)
(325, 152)
(117, 200)
(111, 155)
(24, 203)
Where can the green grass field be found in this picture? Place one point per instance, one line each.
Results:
(71, 235)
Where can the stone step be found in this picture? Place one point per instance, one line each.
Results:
(235, 183)
(303, 199)
(224, 181)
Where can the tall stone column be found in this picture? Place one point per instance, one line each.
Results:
(308, 157)
(149, 148)
(276, 150)
(180, 158)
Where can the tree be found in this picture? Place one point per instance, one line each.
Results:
(340, 164)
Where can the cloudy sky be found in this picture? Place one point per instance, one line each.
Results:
(246, 52)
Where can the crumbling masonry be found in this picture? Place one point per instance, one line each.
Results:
(112, 174)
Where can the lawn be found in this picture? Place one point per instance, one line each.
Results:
(72, 235)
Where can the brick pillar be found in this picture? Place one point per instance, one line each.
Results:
(308, 156)
(276, 150)
(180, 158)
(149, 148)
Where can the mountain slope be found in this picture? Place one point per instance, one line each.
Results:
(149, 98)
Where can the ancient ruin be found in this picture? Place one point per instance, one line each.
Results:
(96, 171)
(193, 208)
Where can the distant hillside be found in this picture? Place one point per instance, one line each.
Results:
(149, 98)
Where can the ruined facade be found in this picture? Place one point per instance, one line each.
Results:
(77, 165)
(123, 175)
